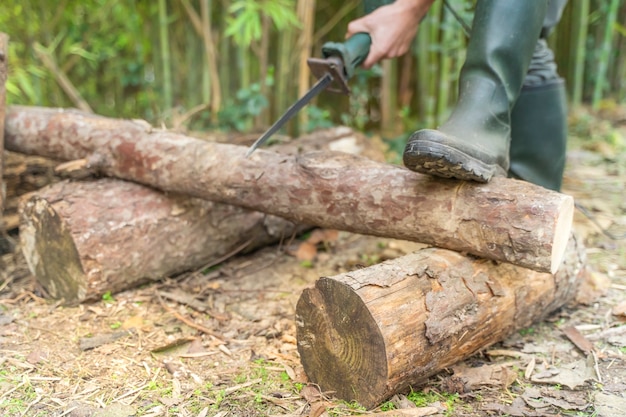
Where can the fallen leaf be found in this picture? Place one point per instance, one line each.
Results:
(540, 399)
(115, 410)
(593, 286)
(317, 409)
(290, 372)
(620, 310)
(507, 352)
(619, 341)
(607, 405)
(133, 322)
(566, 400)
(530, 368)
(305, 252)
(323, 235)
(499, 375)
(516, 409)
(4, 319)
(578, 339)
(408, 412)
(86, 343)
(36, 356)
(402, 402)
(196, 346)
(572, 375)
(174, 345)
(311, 393)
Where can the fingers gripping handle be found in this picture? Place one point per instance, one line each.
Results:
(352, 52)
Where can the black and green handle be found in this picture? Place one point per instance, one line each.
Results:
(354, 50)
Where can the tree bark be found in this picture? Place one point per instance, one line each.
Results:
(370, 333)
(505, 220)
(82, 239)
(4, 53)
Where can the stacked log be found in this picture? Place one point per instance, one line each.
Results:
(82, 239)
(504, 254)
(368, 334)
(506, 220)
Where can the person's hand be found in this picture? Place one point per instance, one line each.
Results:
(391, 27)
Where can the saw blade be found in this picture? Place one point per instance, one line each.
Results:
(319, 86)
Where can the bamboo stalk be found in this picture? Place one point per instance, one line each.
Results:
(168, 98)
(284, 81)
(618, 69)
(406, 78)
(337, 17)
(434, 58)
(422, 81)
(211, 60)
(604, 58)
(389, 98)
(226, 57)
(306, 13)
(260, 120)
(445, 66)
(4, 58)
(579, 24)
(64, 82)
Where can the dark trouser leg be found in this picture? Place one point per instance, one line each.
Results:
(539, 117)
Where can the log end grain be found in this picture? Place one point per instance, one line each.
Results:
(336, 331)
(50, 251)
(370, 333)
(562, 232)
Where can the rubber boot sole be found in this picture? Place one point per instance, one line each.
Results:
(434, 158)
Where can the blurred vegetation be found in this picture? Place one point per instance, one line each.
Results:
(238, 64)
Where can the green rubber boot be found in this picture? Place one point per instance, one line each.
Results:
(539, 124)
(473, 144)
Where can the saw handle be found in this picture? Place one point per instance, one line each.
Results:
(352, 52)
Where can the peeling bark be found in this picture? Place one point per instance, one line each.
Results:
(505, 220)
(368, 334)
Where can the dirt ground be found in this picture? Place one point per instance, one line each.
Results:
(221, 342)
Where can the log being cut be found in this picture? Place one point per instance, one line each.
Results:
(368, 334)
(505, 220)
(84, 238)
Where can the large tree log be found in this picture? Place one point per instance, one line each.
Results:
(505, 220)
(4, 41)
(82, 239)
(370, 333)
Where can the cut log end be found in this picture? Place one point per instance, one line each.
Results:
(57, 266)
(562, 232)
(370, 333)
(336, 331)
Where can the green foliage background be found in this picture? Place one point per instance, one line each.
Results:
(149, 59)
